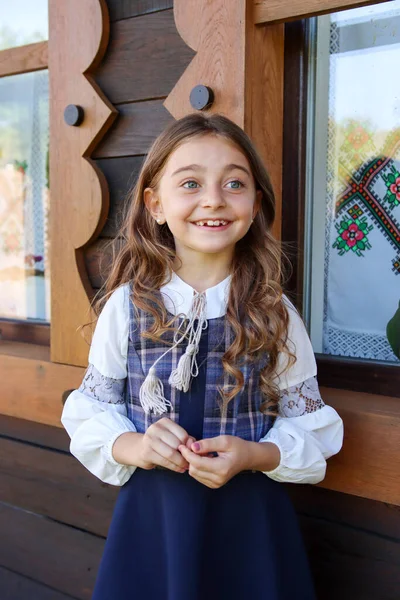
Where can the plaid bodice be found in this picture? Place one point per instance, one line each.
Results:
(243, 417)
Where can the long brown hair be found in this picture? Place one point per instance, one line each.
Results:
(256, 311)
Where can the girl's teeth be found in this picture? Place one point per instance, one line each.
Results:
(211, 223)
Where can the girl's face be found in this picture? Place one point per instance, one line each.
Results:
(206, 195)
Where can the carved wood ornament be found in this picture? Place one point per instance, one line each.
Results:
(79, 192)
(243, 65)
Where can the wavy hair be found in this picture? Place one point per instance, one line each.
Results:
(144, 252)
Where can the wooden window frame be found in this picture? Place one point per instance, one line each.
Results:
(333, 371)
(275, 11)
(16, 61)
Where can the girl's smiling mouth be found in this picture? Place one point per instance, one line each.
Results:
(218, 224)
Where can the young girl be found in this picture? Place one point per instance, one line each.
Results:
(200, 397)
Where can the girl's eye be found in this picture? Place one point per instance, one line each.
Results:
(191, 184)
(236, 184)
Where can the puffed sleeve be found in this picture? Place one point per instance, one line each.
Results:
(95, 414)
(307, 431)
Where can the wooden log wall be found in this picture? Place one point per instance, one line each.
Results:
(54, 518)
(54, 515)
(146, 56)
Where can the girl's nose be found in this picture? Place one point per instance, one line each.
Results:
(213, 198)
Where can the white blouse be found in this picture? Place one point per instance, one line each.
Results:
(307, 432)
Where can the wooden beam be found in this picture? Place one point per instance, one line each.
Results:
(24, 59)
(366, 466)
(79, 34)
(263, 100)
(369, 464)
(270, 11)
(32, 386)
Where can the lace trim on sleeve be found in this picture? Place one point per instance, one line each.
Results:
(101, 388)
(301, 399)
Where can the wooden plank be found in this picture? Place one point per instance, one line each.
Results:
(51, 553)
(79, 31)
(55, 485)
(121, 175)
(360, 375)
(24, 331)
(377, 518)
(349, 563)
(269, 11)
(137, 127)
(367, 465)
(98, 258)
(123, 9)
(35, 433)
(145, 58)
(294, 155)
(263, 116)
(216, 30)
(32, 387)
(24, 59)
(14, 586)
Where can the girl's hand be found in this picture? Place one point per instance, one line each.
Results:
(159, 446)
(233, 456)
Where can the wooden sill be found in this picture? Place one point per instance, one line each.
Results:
(24, 350)
(369, 462)
(367, 466)
(33, 386)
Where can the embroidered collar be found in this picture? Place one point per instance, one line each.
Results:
(178, 297)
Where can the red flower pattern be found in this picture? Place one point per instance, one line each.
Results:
(395, 188)
(352, 235)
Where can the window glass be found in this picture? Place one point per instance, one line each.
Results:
(23, 22)
(353, 195)
(24, 196)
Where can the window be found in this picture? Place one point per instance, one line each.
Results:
(24, 182)
(347, 145)
(24, 198)
(354, 188)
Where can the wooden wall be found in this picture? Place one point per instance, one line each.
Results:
(54, 515)
(54, 518)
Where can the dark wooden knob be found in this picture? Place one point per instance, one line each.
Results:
(201, 97)
(73, 115)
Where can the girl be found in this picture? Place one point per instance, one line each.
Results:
(200, 396)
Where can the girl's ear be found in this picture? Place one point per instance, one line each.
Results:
(257, 203)
(153, 205)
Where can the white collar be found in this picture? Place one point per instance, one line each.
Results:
(178, 296)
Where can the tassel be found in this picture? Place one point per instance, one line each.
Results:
(180, 377)
(151, 394)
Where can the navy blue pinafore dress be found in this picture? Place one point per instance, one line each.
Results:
(172, 538)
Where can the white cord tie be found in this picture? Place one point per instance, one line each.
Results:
(152, 390)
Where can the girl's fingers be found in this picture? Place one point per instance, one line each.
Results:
(168, 456)
(174, 428)
(201, 463)
(189, 442)
(207, 479)
(212, 445)
(169, 438)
